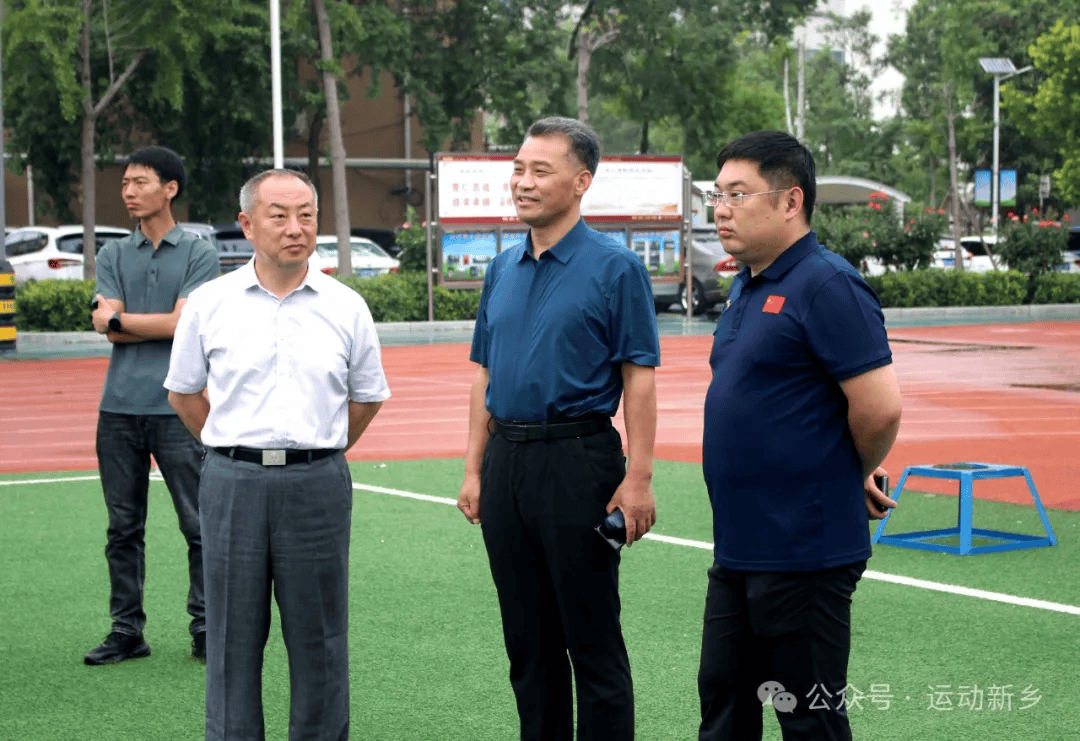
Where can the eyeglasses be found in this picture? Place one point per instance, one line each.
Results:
(734, 200)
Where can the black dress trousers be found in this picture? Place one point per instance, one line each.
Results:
(558, 583)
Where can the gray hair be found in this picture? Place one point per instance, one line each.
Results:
(584, 142)
(249, 193)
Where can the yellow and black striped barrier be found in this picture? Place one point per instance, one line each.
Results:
(7, 307)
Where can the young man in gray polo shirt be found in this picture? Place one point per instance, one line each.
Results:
(142, 283)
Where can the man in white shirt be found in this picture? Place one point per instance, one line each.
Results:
(290, 365)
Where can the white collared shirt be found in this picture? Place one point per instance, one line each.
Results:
(280, 372)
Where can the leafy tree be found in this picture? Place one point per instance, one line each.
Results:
(225, 120)
(449, 52)
(1011, 32)
(939, 58)
(536, 78)
(1053, 112)
(108, 42)
(592, 32)
(840, 128)
(967, 31)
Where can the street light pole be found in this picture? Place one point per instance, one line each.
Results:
(275, 84)
(1002, 68)
(995, 181)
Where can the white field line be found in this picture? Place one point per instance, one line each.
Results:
(48, 481)
(1008, 599)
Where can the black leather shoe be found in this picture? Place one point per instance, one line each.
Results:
(198, 647)
(117, 647)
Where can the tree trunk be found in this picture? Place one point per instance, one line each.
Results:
(950, 116)
(88, 185)
(91, 111)
(584, 59)
(933, 180)
(313, 152)
(337, 144)
(787, 98)
(643, 145)
(800, 93)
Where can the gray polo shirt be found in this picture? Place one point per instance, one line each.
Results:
(148, 281)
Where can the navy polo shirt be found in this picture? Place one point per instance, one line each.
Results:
(553, 332)
(783, 474)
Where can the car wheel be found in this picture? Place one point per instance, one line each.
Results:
(699, 298)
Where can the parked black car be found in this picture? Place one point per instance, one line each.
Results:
(228, 239)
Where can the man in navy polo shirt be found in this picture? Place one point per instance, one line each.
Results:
(566, 327)
(802, 409)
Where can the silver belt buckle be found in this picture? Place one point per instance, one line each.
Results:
(273, 458)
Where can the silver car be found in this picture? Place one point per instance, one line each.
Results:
(710, 264)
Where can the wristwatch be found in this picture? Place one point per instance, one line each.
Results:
(114, 323)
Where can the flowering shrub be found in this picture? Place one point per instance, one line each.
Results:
(1031, 245)
(876, 231)
(845, 235)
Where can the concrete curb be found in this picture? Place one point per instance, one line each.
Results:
(91, 344)
(981, 314)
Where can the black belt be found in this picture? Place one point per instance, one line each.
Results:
(525, 432)
(280, 457)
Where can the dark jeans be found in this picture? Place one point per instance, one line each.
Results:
(282, 530)
(791, 629)
(124, 445)
(558, 583)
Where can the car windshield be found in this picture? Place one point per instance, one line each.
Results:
(359, 249)
(73, 243)
(234, 242)
(974, 246)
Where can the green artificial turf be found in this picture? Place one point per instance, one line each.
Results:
(426, 644)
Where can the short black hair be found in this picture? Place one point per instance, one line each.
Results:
(165, 162)
(583, 140)
(781, 159)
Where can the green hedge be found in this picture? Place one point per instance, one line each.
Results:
(54, 306)
(953, 288)
(949, 288)
(402, 297)
(64, 305)
(1056, 288)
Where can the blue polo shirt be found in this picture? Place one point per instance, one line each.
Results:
(783, 474)
(554, 332)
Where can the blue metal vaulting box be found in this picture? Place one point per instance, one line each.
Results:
(966, 473)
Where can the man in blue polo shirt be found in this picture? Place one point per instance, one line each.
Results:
(142, 283)
(566, 327)
(802, 409)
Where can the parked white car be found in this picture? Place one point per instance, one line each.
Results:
(45, 252)
(368, 258)
(984, 260)
(945, 256)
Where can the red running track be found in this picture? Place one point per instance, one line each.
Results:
(989, 393)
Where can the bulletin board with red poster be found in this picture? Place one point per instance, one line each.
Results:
(640, 200)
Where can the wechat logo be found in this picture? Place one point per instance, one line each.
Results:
(774, 692)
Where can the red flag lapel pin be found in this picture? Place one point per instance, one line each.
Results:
(773, 304)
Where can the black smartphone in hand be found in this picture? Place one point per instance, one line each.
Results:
(613, 529)
(882, 482)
